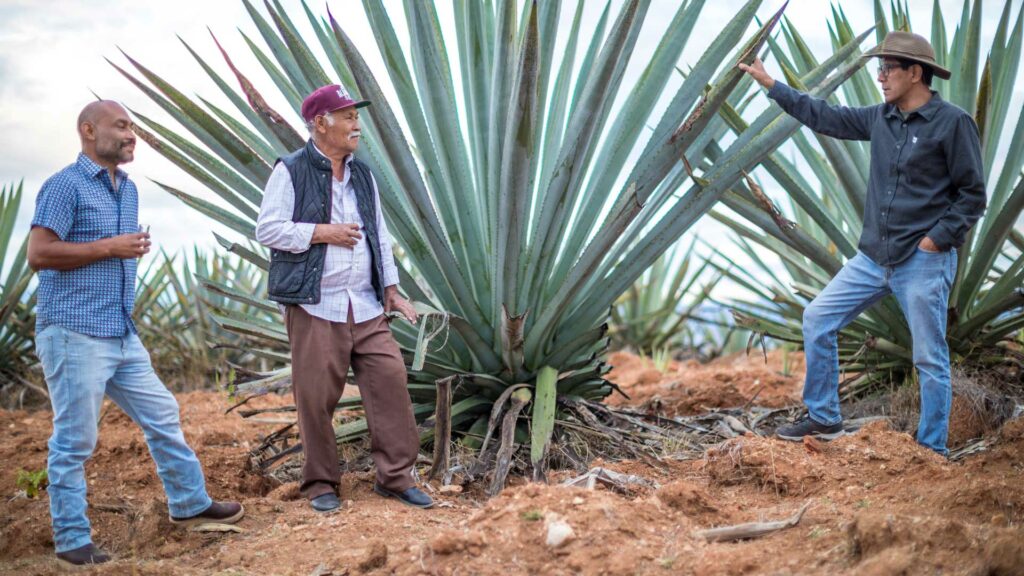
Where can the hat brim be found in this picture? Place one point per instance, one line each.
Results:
(939, 70)
(359, 104)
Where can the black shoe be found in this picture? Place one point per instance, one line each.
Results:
(84, 556)
(805, 426)
(410, 496)
(218, 512)
(325, 502)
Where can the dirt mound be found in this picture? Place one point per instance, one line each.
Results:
(873, 455)
(688, 498)
(885, 543)
(519, 531)
(689, 387)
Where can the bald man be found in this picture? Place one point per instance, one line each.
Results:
(85, 242)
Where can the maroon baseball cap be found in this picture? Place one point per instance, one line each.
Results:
(327, 99)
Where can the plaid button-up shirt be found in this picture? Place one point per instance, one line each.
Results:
(347, 271)
(80, 204)
(926, 173)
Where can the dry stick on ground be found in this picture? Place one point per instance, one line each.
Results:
(442, 427)
(752, 529)
(508, 433)
(610, 478)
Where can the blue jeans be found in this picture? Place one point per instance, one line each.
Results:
(921, 285)
(79, 370)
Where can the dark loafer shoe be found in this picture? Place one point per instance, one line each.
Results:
(410, 496)
(84, 556)
(218, 512)
(325, 502)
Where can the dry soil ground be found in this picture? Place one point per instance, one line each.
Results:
(880, 504)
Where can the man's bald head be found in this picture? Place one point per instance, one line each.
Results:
(106, 132)
(96, 111)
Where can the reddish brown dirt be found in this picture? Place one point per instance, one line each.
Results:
(689, 387)
(880, 504)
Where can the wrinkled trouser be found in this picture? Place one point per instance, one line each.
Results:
(921, 285)
(322, 352)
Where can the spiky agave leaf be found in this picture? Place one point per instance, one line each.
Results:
(661, 310)
(528, 229)
(177, 303)
(17, 300)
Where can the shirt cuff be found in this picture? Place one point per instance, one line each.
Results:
(304, 234)
(390, 276)
(941, 237)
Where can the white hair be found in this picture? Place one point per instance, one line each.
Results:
(311, 125)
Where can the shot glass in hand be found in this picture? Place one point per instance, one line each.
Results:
(144, 230)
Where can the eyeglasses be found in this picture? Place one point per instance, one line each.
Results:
(885, 67)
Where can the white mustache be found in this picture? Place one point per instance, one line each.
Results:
(355, 135)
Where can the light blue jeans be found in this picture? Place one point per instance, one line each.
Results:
(79, 370)
(921, 285)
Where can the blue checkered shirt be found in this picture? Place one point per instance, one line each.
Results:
(79, 204)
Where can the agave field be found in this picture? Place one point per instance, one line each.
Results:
(536, 227)
(519, 237)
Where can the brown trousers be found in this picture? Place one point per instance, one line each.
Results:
(321, 354)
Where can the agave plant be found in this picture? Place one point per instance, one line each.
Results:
(985, 309)
(17, 302)
(517, 202)
(174, 300)
(662, 309)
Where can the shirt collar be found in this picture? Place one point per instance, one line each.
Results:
(90, 167)
(348, 159)
(927, 111)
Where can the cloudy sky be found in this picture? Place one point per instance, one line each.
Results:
(52, 58)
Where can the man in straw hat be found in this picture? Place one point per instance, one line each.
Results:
(332, 268)
(926, 190)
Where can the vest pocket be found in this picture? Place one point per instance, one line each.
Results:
(287, 272)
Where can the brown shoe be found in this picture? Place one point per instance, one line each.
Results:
(218, 513)
(85, 556)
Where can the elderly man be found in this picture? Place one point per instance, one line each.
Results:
(333, 270)
(926, 190)
(84, 242)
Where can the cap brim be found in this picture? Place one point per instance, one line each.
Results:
(359, 104)
(939, 70)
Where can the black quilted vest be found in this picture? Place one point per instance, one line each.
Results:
(295, 278)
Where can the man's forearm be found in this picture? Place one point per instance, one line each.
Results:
(818, 115)
(60, 255)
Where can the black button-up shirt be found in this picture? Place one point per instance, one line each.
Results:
(926, 174)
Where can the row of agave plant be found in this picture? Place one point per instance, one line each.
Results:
(526, 203)
(525, 206)
(173, 312)
(17, 300)
(825, 184)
